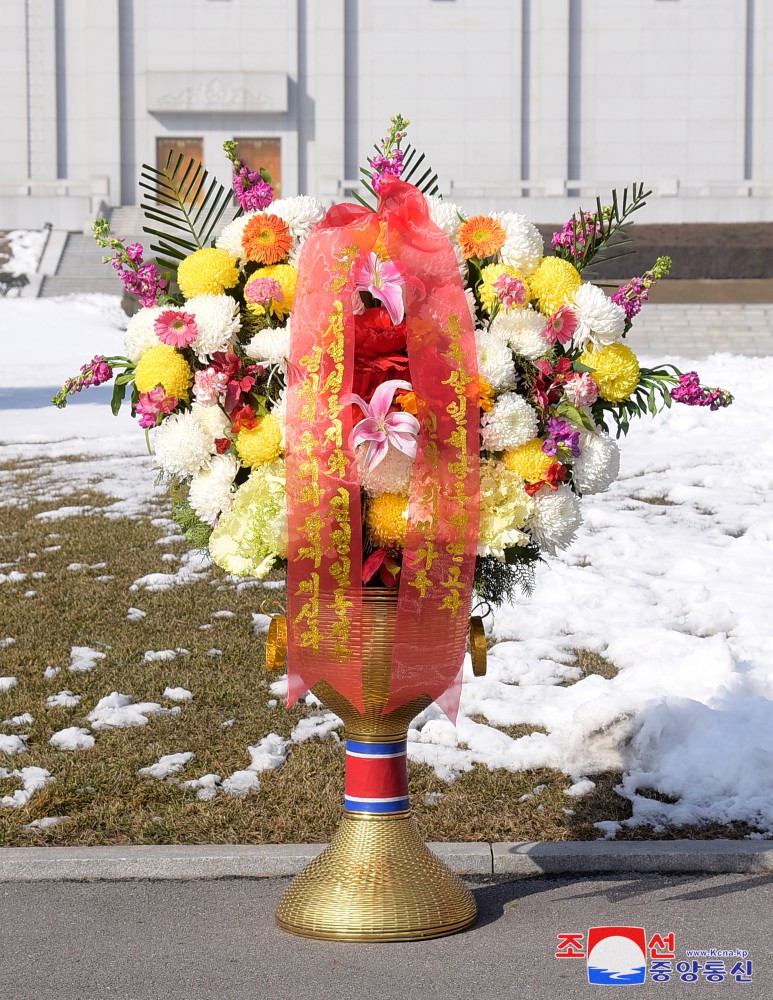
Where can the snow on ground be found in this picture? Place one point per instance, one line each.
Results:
(72, 738)
(26, 246)
(669, 579)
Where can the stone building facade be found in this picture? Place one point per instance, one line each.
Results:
(527, 101)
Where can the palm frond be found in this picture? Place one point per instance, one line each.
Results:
(186, 204)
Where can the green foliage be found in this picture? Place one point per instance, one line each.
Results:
(496, 582)
(191, 525)
(612, 221)
(188, 205)
(415, 170)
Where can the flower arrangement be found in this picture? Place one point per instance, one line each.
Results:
(207, 365)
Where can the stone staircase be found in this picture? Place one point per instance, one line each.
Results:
(80, 265)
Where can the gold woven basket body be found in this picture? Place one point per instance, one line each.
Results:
(376, 880)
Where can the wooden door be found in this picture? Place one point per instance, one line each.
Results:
(188, 147)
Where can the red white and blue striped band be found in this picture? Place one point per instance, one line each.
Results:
(376, 777)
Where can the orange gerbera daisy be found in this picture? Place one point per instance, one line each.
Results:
(486, 395)
(481, 236)
(266, 239)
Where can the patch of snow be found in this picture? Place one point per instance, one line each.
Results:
(8, 641)
(223, 614)
(315, 727)
(206, 787)
(25, 719)
(159, 655)
(6, 683)
(135, 615)
(241, 783)
(194, 566)
(214, 652)
(13, 577)
(45, 823)
(72, 738)
(116, 711)
(171, 763)
(83, 659)
(177, 694)
(33, 779)
(12, 744)
(581, 787)
(65, 699)
(50, 672)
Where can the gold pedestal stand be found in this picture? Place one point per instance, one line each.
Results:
(376, 880)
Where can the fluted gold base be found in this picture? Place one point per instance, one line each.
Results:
(376, 881)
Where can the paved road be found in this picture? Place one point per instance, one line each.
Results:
(215, 940)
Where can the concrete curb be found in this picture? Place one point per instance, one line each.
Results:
(47, 864)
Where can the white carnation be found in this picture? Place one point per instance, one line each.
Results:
(495, 361)
(212, 419)
(140, 334)
(230, 239)
(271, 346)
(217, 320)
(445, 215)
(523, 246)
(522, 330)
(182, 445)
(301, 214)
(211, 492)
(510, 423)
(393, 474)
(554, 518)
(600, 321)
(598, 464)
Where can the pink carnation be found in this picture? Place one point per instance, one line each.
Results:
(208, 385)
(176, 328)
(262, 290)
(580, 389)
(511, 291)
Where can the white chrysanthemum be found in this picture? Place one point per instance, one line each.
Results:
(523, 246)
(495, 360)
(461, 262)
(217, 320)
(212, 419)
(472, 305)
(270, 346)
(445, 215)
(182, 445)
(211, 492)
(392, 475)
(301, 214)
(230, 239)
(510, 423)
(598, 464)
(522, 330)
(554, 519)
(140, 334)
(600, 321)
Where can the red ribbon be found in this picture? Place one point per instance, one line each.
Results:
(323, 492)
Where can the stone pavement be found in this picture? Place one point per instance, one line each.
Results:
(216, 940)
(697, 330)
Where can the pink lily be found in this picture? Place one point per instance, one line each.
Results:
(384, 280)
(380, 428)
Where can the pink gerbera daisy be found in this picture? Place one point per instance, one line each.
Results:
(176, 328)
(561, 326)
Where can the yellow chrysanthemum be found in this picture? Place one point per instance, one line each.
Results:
(615, 371)
(260, 444)
(529, 461)
(208, 271)
(489, 276)
(287, 276)
(554, 281)
(163, 365)
(386, 521)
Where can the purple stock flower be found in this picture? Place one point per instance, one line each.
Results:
(386, 166)
(561, 434)
(692, 393)
(153, 404)
(252, 192)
